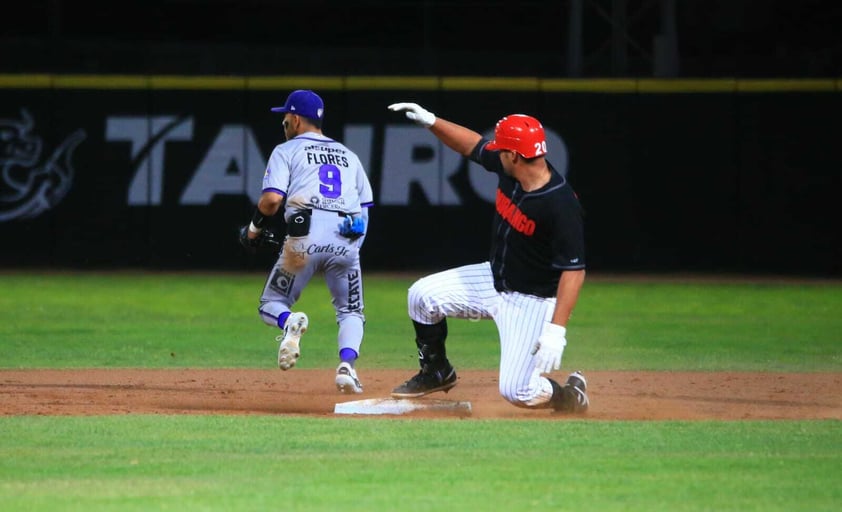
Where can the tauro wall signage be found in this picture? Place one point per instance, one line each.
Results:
(724, 179)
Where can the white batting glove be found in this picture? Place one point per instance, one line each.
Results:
(548, 348)
(415, 112)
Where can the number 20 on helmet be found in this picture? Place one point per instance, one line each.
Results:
(519, 133)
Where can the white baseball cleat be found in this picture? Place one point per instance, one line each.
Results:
(346, 379)
(289, 351)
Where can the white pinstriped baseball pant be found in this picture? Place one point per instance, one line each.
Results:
(468, 292)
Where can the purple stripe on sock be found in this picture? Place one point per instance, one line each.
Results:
(282, 320)
(348, 355)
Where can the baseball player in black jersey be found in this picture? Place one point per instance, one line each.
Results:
(531, 282)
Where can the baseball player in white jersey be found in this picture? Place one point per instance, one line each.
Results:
(326, 194)
(531, 282)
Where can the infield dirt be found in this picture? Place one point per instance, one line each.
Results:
(614, 395)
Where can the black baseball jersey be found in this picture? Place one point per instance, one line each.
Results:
(535, 235)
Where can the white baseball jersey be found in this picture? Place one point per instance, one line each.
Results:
(315, 171)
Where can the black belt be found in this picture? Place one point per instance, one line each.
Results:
(341, 214)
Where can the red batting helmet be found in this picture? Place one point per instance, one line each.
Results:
(519, 133)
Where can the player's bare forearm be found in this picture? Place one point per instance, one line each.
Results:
(270, 203)
(456, 137)
(567, 295)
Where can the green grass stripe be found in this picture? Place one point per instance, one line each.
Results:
(444, 83)
(139, 462)
(207, 320)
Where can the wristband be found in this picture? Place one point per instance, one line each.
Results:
(254, 229)
(257, 220)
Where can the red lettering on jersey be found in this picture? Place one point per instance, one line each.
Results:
(512, 214)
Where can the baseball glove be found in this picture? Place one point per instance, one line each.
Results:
(266, 240)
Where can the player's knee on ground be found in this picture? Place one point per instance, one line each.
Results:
(421, 305)
(525, 396)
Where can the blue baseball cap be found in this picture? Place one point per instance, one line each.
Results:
(304, 103)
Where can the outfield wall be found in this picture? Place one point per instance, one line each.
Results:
(684, 175)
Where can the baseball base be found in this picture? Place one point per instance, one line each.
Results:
(402, 406)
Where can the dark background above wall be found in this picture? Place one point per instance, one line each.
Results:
(710, 38)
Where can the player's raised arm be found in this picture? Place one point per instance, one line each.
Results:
(456, 137)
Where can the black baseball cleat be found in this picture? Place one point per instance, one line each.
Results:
(572, 397)
(424, 383)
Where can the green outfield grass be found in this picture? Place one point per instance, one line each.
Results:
(210, 320)
(147, 463)
(243, 463)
